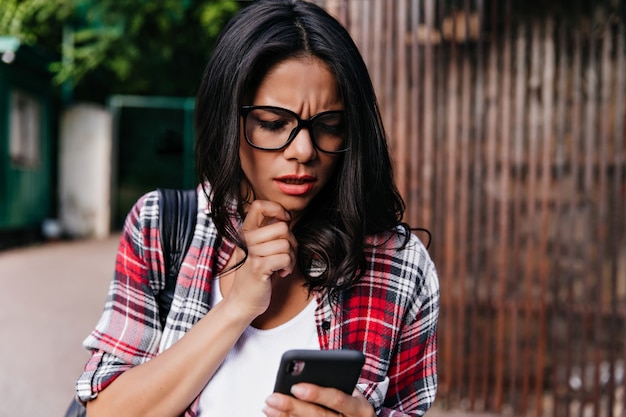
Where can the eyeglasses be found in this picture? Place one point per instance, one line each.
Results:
(273, 128)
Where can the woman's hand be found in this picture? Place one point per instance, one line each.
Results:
(271, 254)
(315, 401)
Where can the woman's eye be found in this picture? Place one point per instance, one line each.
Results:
(330, 129)
(272, 125)
(330, 124)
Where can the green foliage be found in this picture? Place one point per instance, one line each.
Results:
(28, 19)
(150, 47)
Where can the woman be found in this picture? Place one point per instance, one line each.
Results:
(299, 244)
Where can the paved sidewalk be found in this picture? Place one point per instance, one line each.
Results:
(51, 296)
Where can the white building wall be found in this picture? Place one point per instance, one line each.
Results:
(85, 171)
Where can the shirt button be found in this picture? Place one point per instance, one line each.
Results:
(326, 325)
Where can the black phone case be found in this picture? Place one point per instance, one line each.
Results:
(327, 368)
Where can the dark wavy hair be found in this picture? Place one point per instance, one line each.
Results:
(361, 198)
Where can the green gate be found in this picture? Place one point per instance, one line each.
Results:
(153, 140)
(27, 169)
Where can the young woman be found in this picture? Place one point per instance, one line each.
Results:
(299, 243)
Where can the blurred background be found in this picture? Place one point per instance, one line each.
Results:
(506, 121)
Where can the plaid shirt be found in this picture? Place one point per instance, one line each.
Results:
(390, 315)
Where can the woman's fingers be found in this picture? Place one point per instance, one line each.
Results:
(271, 252)
(312, 400)
(276, 231)
(262, 213)
(271, 245)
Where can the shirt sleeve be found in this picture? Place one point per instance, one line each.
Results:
(407, 372)
(413, 370)
(128, 331)
(391, 315)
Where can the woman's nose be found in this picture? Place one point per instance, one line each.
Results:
(301, 147)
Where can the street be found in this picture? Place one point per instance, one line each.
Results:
(51, 296)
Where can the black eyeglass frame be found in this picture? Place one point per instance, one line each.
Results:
(302, 124)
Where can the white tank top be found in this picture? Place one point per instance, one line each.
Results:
(246, 377)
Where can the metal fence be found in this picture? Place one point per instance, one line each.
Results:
(506, 122)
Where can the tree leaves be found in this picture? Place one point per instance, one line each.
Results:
(156, 47)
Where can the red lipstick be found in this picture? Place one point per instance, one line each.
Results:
(295, 185)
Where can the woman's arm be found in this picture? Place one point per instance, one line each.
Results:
(166, 384)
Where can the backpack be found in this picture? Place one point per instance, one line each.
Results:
(177, 221)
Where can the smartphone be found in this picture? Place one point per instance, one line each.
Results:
(338, 369)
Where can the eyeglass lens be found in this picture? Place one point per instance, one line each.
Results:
(273, 128)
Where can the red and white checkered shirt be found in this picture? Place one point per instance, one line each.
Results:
(390, 314)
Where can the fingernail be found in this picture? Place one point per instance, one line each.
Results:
(298, 390)
(271, 401)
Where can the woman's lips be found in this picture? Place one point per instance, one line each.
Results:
(295, 185)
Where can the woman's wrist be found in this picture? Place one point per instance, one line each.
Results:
(234, 315)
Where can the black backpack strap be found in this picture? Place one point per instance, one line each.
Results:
(177, 220)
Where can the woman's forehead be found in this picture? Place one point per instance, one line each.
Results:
(298, 79)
